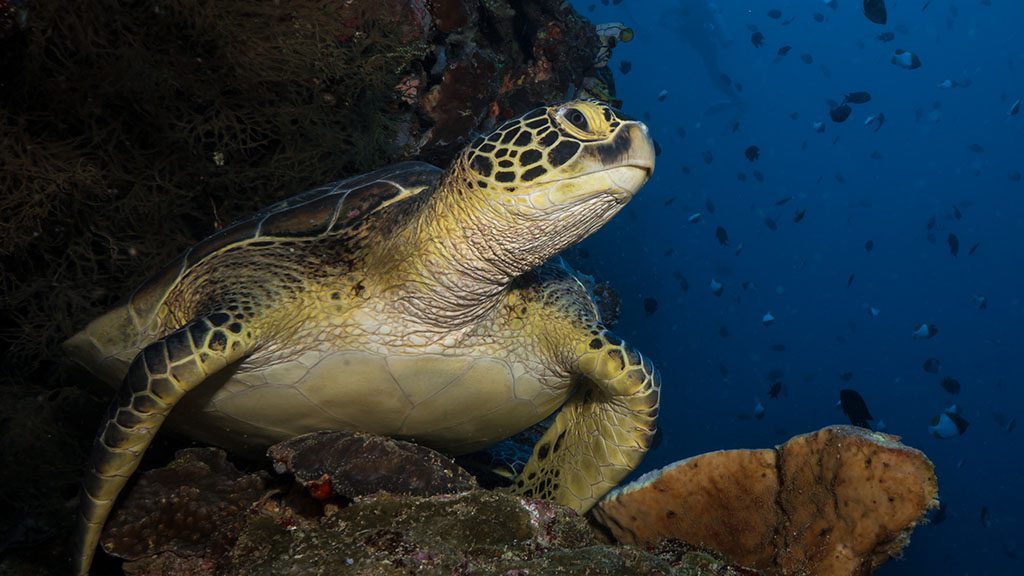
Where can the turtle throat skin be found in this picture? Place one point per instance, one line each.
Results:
(534, 187)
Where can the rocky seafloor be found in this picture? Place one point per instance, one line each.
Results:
(350, 503)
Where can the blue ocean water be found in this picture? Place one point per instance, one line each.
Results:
(948, 151)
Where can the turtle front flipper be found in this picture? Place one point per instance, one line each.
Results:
(602, 432)
(156, 380)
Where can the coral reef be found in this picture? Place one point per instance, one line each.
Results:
(350, 464)
(193, 507)
(842, 500)
(176, 521)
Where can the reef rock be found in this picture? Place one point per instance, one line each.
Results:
(352, 464)
(842, 500)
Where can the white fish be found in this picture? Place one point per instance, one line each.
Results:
(948, 425)
(716, 287)
(948, 84)
(874, 311)
(906, 59)
(662, 95)
(1015, 109)
(819, 126)
(767, 319)
(925, 331)
(694, 218)
(758, 409)
(833, 4)
(880, 426)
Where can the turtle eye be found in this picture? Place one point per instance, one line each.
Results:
(577, 119)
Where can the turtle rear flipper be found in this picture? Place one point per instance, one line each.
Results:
(602, 432)
(157, 379)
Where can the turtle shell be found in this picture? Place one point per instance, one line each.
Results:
(327, 209)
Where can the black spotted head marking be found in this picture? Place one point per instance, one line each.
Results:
(562, 154)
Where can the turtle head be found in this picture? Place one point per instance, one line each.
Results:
(553, 176)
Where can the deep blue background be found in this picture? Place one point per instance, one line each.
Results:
(800, 271)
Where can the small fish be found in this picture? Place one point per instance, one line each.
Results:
(783, 201)
(771, 224)
(685, 169)
(739, 249)
(767, 319)
(857, 98)
(957, 213)
(819, 127)
(775, 14)
(951, 385)
(980, 301)
(976, 148)
(708, 157)
(948, 84)
(1011, 424)
(906, 59)
(840, 113)
(784, 50)
(722, 235)
(717, 287)
(869, 245)
(757, 39)
(855, 408)
(926, 5)
(798, 216)
(778, 347)
(741, 176)
(723, 332)
(735, 127)
(758, 175)
(948, 424)
(819, 17)
(833, 4)
(684, 284)
(973, 248)
(775, 389)
(925, 331)
(954, 244)
(758, 409)
(985, 522)
(874, 311)
(1014, 175)
(1014, 108)
(681, 132)
(886, 37)
(878, 120)
(806, 58)
(694, 218)
(875, 11)
(932, 365)
(650, 306)
(710, 206)
(846, 376)
(625, 66)
(669, 201)
(662, 95)
(752, 153)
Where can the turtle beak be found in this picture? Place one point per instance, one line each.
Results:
(630, 159)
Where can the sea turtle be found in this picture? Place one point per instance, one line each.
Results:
(412, 302)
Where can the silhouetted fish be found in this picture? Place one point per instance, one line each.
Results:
(770, 224)
(784, 50)
(932, 365)
(855, 408)
(722, 235)
(710, 206)
(757, 39)
(778, 347)
(758, 175)
(650, 306)
(708, 157)
(846, 376)
(875, 11)
(869, 245)
(973, 248)
(951, 385)
(954, 244)
(783, 201)
(905, 59)
(840, 113)
(775, 389)
(857, 98)
(886, 37)
(775, 13)
(806, 58)
(625, 66)
(799, 215)
(752, 153)
(849, 281)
